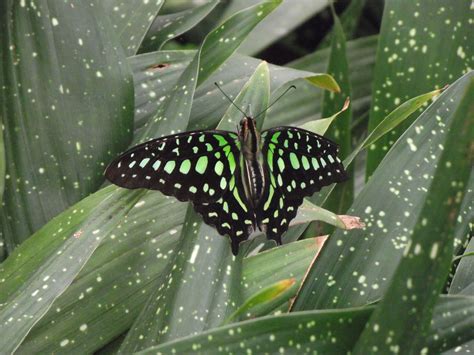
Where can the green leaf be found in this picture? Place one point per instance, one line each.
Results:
(307, 104)
(20, 310)
(285, 262)
(131, 20)
(396, 117)
(349, 20)
(465, 228)
(166, 27)
(328, 332)
(325, 331)
(264, 301)
(452, 324)
(282, 21)
(226, 38)
(255, 94)
(415, 54)
(113, 286)
(144, 255)
(424, 267)
(67, 109)
(322, 125)
(340, 199)
(213, 52)
(208, 106)
(309, 212)
(390, 204)
(463, 281)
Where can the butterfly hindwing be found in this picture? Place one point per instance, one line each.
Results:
(230, 215)
(193, 166)
(297, 163)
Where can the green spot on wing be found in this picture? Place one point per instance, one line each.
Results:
(185, 166)
(221, 139)
(144, 162)
(239, 200)
(275, 137)
(156, 164)
(201, 165)
(169, 167)
(281, 164)
(269, 200)
(219, 168)
(295, 163)
(305, 162)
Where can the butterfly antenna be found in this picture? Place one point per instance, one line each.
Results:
(228, 98)
(276, 100)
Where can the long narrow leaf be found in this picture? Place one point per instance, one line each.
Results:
(325, 331)
(415, 54)
(167, 27)
(288, 16)
(390, 205)
(424, 267)
(26, 306)
(78, 90)
(131, 20)
(342, 195)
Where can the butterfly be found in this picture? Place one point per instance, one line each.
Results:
(237, 181)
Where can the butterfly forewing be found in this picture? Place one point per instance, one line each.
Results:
(298, 163)
(193, 166)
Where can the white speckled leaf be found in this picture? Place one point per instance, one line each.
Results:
(390, 204)
(68, 108)
(307, 105)
(422, 45)
(214, 51)
(131, 20)
(167, 27)
(143, 249)
(156, 73)
(341, 131)
(112, 287)
(423, 270)
(3, 250)
(391, 121)
(350, 19)
(20, 310)
(288, 16)
(463, 280)
(324, 331)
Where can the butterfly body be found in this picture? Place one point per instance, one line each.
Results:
(237, 182)
(251, 159)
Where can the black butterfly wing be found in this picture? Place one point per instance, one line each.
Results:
(200, 166)
(230, 215)
(192, 166)
(297, 163)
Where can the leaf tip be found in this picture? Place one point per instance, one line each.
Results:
(351, 222)
(346, 103)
